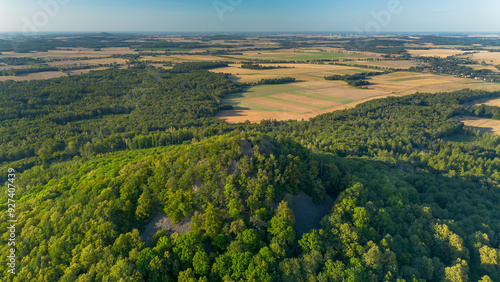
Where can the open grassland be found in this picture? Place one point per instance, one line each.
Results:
(481, 124)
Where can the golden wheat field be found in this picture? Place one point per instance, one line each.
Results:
(490, 101)
(487, 57)
(481, 124)
(438, 52)
(404, 83)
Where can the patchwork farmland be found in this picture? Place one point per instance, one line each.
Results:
(312, 95)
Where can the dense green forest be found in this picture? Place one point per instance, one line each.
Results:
(416, 195)
(104, 111)
(486, 111)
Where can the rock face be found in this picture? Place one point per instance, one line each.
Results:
(161, 221)
(307, 214)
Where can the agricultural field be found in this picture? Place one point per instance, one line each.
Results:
(438, 52)
(292, 101)
(103, 61)
(138, 174)
(299, 71)
(404, 83)
(185, 58)
(34, 76)
(487, 67)
(299, 55)
(481, 124)
(309, 96)
(77, 72)
(70, 53)
(488, 57)
(386, 64)
(4, 67)
(312, 95)
(486, 101)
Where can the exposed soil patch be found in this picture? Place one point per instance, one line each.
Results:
(161, 221)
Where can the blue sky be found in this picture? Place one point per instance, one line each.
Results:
(250, 15)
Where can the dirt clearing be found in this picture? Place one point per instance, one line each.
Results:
(161, 221)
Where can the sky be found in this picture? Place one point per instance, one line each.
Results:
(360, 16)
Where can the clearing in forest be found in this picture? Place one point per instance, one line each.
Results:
(481, 124)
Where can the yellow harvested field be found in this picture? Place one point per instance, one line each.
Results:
(404, 83)
(34, 76)
(302, 72)
(443, 53)
(68, 53)
(480, 67)
(237, 116)
(312, 95)
(491, 101)
(488, 57)
(482, 124)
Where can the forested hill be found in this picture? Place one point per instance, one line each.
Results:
(416, 195)
(102, 111)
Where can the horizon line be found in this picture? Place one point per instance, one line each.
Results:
(260, 32)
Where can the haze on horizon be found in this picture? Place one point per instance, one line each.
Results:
(250, 16)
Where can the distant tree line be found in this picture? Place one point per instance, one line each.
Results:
(24, 61)
(252, 66)
(188, 67)
(282, 80)
(357, 79)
